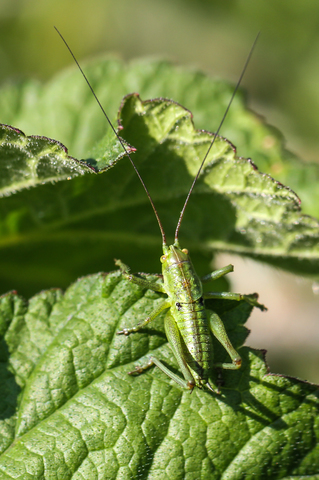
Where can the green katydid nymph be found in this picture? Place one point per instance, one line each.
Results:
(188, 325)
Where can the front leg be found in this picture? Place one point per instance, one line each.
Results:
(250, 299)
(156, 287)
(164, 305)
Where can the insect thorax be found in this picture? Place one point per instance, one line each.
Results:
(182, 283)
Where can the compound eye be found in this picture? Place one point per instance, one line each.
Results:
(163, 258)
(184, 250)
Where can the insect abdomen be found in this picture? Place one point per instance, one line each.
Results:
(192, 324)
(184, 289)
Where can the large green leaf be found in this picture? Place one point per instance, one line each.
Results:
(53, 233)
(64, 109)
(69, 410)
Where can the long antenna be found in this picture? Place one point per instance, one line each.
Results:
(214, 138)
(118, 137)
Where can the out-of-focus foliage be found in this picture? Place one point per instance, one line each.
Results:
(211, 34)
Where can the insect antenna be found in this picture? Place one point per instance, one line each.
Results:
(214, 137)
(118, 137)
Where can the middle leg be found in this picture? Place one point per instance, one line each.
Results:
(250, 299)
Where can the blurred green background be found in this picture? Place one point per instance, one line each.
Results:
(282, 82)
(215, 36)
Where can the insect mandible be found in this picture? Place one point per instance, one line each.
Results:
(188, 325)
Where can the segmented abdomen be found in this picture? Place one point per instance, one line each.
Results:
(193, 326)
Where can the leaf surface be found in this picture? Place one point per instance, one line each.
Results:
(81, 415)
(77, 225)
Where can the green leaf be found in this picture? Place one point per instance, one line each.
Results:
(53, 233)
(69, 409)
(34, 160)
(31, 161)
(58, 232)
(65, 109)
